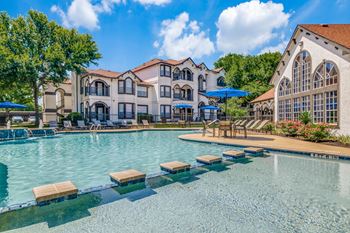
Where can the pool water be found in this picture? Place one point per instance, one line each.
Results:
(87, 159)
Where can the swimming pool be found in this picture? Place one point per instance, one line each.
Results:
(87, 159)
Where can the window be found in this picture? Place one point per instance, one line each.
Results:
(187, 75)
(325, 75)
(220, 82)
(142, 91)
(126, 111)
(142, 109)
(318, 108)
(165, 91)
(296, 108)
(126, 86)
(176, 74)
(201, 83)
(165, 111)
(331, 107)
(288, 108)
(281, 110)
(165, 71)
(284, 87)
(302, 72)
(305, 104)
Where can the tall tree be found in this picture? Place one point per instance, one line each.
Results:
(250, 73)
(35, 52)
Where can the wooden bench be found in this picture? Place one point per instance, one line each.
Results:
(234, 154)
(209, 159)
(254, 150)
(127, 177)
(175, 167)
(55, 192)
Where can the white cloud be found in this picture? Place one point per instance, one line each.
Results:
(181, 38)
(153, 2)
(249, 25)
(82, 13)
(277, 48)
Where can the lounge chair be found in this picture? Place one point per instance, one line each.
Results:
(182, 124)
(145, 124)
(252, 126)
(261, 126)
(53, 124)
(81, 125)
(110, 124)
(67, 125)
(96, 124)
(249, 123)
(134, 124)
(225, 126)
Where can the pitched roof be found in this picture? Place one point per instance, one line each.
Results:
(266, 96)
(217, 70)
(103, 73)
(338, 33)
(157, 61)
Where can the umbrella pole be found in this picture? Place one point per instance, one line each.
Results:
(226, 107)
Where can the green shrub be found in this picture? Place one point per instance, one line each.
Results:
(74, 117)
(269, 127)
(344, 139)
(289, 128)
(305, 118)
(316, 132)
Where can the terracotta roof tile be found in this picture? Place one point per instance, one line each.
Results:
(266, 96)
(104, 73)
(338, 33)
(157, 61)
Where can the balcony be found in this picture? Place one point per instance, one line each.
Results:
(178, 97)
(93, 91)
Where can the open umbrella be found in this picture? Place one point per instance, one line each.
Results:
(7, 105)
(209, 107)
(227, 93)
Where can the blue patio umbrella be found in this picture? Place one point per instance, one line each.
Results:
(227, 93)
(209, 107)
(7, 105)
(183, 106)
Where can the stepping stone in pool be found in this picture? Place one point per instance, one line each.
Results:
(126, 177)
(175, 167)
(54, 192)
(234, 154)
(209, 159)
(254, 150)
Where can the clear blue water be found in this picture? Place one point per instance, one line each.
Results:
(87, 159)
(276, 193)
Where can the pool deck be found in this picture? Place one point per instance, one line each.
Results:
(273, 142)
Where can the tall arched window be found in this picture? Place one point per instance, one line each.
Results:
(187, 75)
(285, 87)
(176, 74)
(302, 72)
(126, 86)
(325, 98)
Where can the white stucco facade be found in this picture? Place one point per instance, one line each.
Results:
(322, 53)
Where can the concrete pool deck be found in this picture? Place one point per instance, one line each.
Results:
(272, 142)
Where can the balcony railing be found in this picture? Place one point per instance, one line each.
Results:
(97, 91)
(126, 115)
(179, 97)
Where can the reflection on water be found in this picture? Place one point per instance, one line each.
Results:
(3, 184)
(344, 179)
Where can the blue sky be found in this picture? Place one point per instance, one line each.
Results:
(130, 32)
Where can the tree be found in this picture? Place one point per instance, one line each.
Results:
(249, 73)
(35, 52)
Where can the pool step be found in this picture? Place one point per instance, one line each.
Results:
(55, 192)
(254, 150)
(233, 154)
(126, 177)
(175, 167)
(208, 159)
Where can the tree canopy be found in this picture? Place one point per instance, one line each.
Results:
(35, 52)
(249, 73)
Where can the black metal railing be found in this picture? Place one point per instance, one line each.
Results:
(97, 91)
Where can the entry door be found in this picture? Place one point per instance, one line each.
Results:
(100, 113)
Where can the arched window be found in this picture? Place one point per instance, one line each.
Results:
(302, 72)
(284, 88)
(201, 83)
(220, 82)
(326, 75)
(126, 86)
(176, 92)
(187, 74)
(99, 88)
(176, 74)
(325, 98)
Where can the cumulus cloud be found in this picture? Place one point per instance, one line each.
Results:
(153, 2)
(276, 48)
(82, 13)
(250, 25)
(181, 38)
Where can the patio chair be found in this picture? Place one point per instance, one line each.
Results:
(81, 125)
(252, 126)
(182, 123)
(53, 124)
(145, 124)
(67, 125)
(225, 126)
(134, 124)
